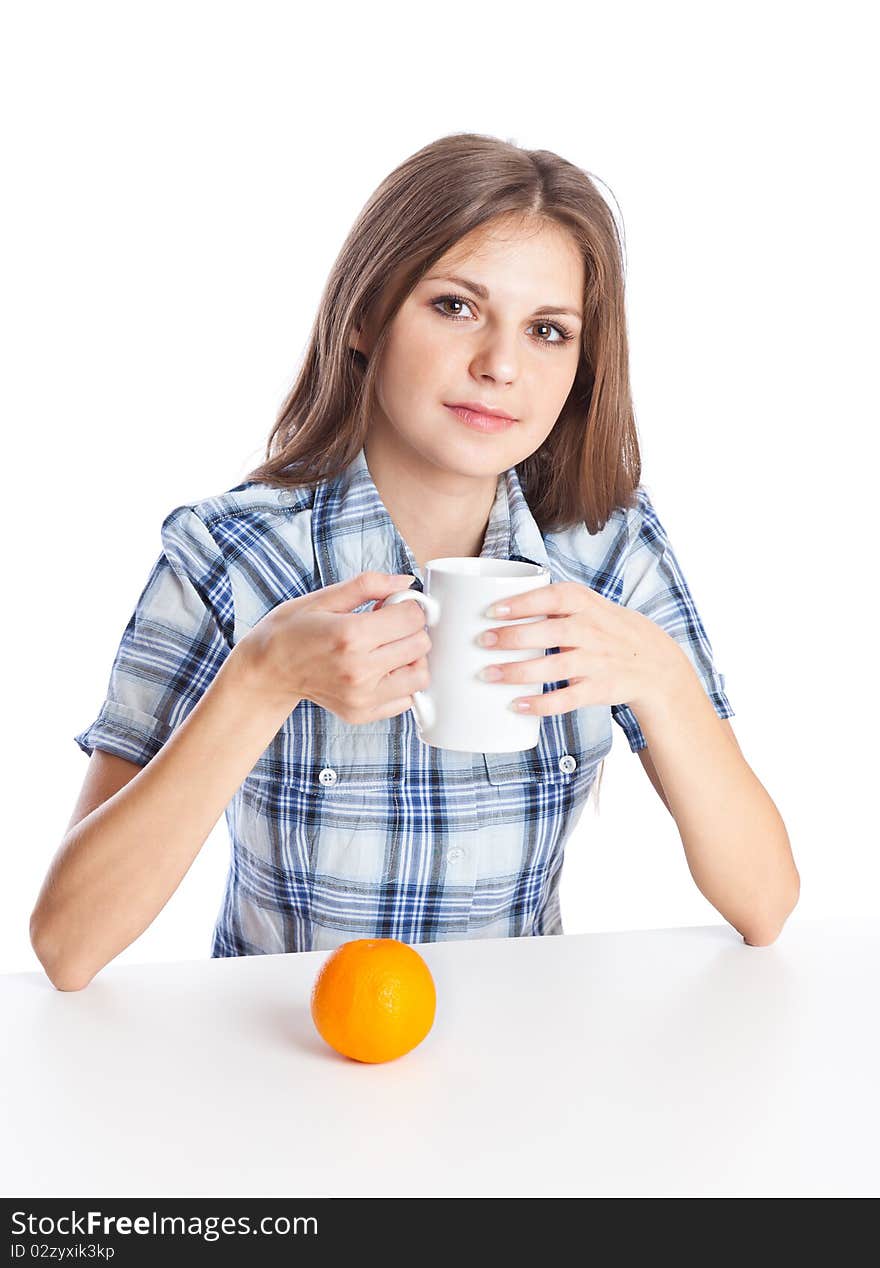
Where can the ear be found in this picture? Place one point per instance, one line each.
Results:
(358, 341)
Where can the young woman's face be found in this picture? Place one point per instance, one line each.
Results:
(448, 344)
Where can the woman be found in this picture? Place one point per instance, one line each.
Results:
(258, 674)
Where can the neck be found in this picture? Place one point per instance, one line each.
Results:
(436, 512)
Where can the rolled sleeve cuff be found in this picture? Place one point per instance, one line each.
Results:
(625, 717)
(125, 732)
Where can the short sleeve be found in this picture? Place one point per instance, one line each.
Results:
(178, 636)
(653, 584)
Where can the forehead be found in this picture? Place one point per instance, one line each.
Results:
(532, 247)
(507, 236)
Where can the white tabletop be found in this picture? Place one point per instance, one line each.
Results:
(660, 1063)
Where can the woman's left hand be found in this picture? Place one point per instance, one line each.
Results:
(609, 654)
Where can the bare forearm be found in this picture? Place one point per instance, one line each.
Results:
(117, 868)
(735, 841)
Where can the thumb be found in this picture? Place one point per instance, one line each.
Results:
(349, 594)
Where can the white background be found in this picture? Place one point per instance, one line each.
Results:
(179, 179)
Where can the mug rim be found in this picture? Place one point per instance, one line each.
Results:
(513, 569)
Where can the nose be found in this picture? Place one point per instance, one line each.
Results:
(496, 356)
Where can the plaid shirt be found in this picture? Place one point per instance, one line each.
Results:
(343, 830)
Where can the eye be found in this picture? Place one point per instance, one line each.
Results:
(565, 335)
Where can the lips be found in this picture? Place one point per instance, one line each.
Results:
(482, 422)
(477, 407)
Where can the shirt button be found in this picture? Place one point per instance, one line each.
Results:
(454, 855)
(328, 776)
(567, 764)
(286, 497)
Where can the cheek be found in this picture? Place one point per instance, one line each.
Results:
(556, 382)
(564, 370)
(417, 356)
(547, 379)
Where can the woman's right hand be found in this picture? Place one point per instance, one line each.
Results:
(361, 666)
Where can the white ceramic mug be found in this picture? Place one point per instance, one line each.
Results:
(459, 710)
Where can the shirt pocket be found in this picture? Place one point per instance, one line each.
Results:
(317, 752)
(326, 791)
(568, 752)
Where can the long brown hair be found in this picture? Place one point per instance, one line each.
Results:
(590, 463)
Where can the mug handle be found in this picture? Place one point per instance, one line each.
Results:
(423, 705)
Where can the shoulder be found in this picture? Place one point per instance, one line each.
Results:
(575, 542)
(256, 539)
(251, 501)
(643, 518)
(599, 559)
(243, 516)
(620, 530)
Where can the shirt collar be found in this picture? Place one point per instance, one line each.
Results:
(352, 531)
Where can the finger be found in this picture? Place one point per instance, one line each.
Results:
(560, 598)
(391, 708)
(403, 651)
(385, 626)
(563, 700)
(343, 596)
(539, 669)
(406, 678)
(556, 631)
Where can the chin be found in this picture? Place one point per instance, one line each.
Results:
(471, 456)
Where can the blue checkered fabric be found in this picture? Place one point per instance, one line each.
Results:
(346, 831)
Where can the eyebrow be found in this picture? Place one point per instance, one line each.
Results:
(483, 293)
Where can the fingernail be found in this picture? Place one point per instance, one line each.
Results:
(497, 609)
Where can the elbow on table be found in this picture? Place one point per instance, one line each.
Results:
(62, 982)
(63, 975)
(761, 939)
(764, 934)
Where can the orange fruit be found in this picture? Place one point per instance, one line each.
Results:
(373, 999)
